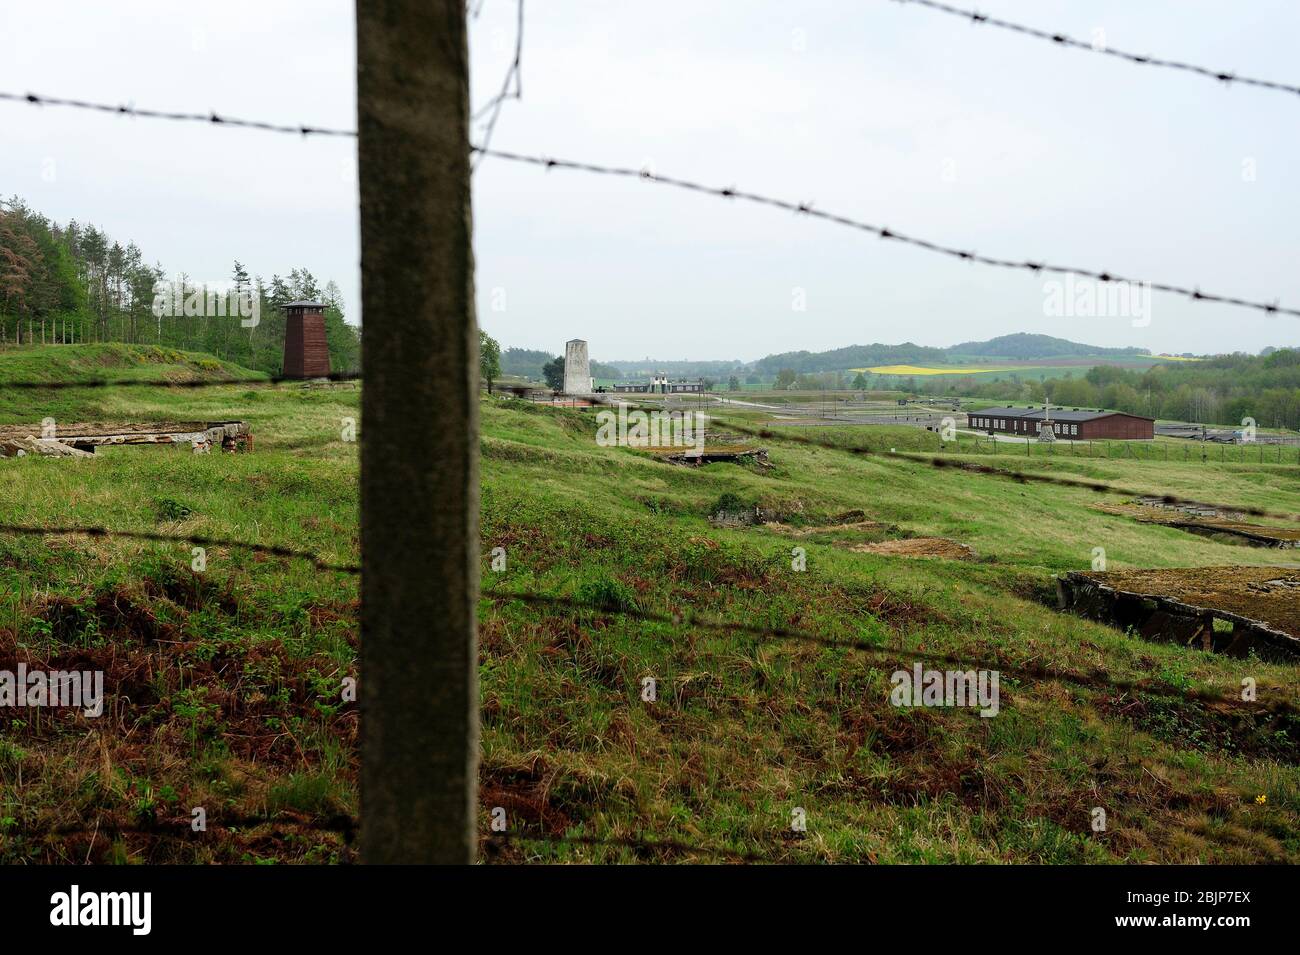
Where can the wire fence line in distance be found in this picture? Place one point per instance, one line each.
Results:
(967, 466)
(1024, 477)
(1099, 46)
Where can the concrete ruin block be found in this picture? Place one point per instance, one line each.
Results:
(47, 447)
(577, 368)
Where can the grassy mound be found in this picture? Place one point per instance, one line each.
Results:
(64, 364)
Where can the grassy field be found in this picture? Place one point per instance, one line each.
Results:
(224, 687)
(747, 730)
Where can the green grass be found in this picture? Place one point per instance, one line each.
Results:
(115, 362)
(225, 686)
(745, 730)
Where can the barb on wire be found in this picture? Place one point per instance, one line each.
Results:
(515, 75)
(1060, 39)
(271, 550)
(730, 192)
(213, 117)
(1031, 671)
(162, 383)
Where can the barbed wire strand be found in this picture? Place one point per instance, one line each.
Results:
(1062, 40)
(211, 117)
(884, 232)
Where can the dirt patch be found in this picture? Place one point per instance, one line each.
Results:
(793, 531)
(525, 792)
(942, 547)
(114, 613)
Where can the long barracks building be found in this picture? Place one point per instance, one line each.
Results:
(1071, 424)
(660, 384)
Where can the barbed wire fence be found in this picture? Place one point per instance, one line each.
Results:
(212, 117)
(809, 209)
(1099, 45)
(512, 89)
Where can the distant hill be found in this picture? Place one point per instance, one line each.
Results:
(854, 356)
(1022, 345)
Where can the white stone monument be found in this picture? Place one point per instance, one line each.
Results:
(577, 368)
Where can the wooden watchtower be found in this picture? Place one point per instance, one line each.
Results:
(306, 353)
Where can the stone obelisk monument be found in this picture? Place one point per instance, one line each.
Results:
(577, 368)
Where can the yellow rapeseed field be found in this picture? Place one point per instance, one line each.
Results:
(919, 370)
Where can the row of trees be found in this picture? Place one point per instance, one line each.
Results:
(788, 379)
(75, 283)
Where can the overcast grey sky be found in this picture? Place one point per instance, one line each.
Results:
(893, 114)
